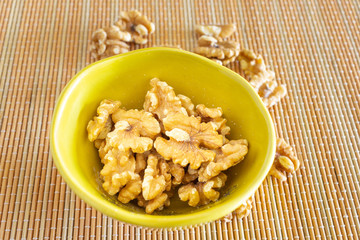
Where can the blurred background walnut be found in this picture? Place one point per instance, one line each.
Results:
(285, 160)
(137, 25)
(108, 42)
(222, 31)
(261, 78)
(212, 43)
(131, 27)
(242, 211)
(225, 51)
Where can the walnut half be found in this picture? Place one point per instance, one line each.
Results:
(285, 160)
(218, 49)
(222, 31)
(137, 25)
(202, 193)
(261, 78)
(242, 211)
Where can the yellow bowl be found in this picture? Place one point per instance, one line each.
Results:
(126, 78)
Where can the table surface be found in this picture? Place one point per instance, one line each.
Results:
(313, 47)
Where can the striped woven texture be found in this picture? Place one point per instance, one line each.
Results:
(313, 47)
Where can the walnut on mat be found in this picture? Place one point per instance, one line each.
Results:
(285, 160)
(217, 49)
(242, 211)
(131, 27)
(261, 78)
(137, 25)
(222, 31)
(108, 42)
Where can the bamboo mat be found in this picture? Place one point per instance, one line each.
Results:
(313, 46)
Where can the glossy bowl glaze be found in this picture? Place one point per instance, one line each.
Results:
(126, 78)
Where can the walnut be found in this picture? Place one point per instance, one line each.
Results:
(103, 150)
(261, 78)
(187, 134)
(141, 162)
(155, 182)
(222, 31)
(229, 155)
(205, 112)
(118, 170)
(214, 117)
(202, 193)
(176, 46)
(131, 190)
(134, 130)
(131, 27)
(242, 211)
(137, 25)
(217, 61)
(158, 203)
(190, 175)
(216, 48)
(271, 93)
(161, 100)
(198, 133)
(165, 171)
(187, 104)
(177, 171)
(188, 149)
(251, 63)
(101, 125)
(285, 160)
(108, 42)
(172, 149)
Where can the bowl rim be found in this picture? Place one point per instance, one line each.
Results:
(147, 220)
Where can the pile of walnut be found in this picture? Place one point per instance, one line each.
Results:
(132, 26)
(170, 145)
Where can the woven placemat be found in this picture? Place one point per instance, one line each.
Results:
(313, 47)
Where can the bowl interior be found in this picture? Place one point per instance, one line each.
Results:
(126, 78)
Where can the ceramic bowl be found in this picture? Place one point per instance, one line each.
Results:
(126, 78)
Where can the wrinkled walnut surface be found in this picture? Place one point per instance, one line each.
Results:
(132, 26)
(224, 51)
(285, 160)
(171, 147)
(261, 78)
(101, 125)
(202, 193)
(222, 31)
